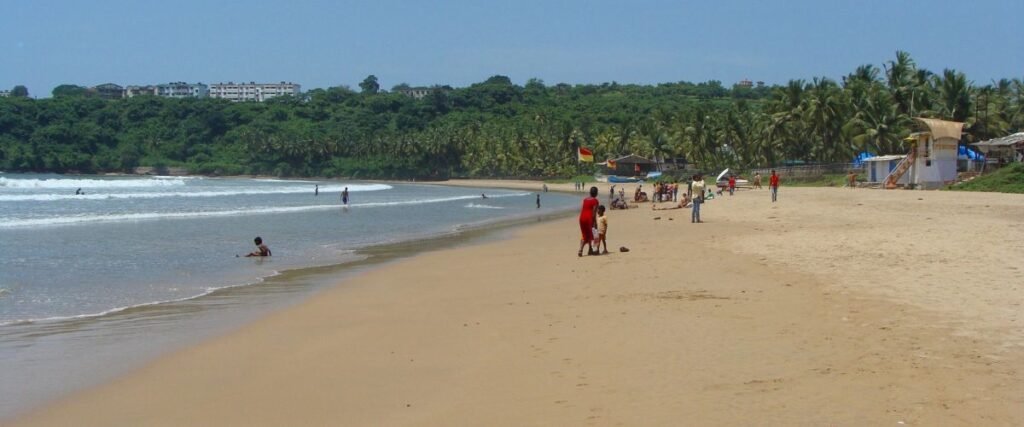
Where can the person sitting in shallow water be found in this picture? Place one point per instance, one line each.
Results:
(261, 249)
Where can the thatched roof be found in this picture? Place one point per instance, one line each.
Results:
(1005, 141)
(941, 128)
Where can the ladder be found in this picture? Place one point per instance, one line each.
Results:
(901, 168)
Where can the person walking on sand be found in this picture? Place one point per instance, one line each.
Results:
(757, 180)
(698, 198)
(588, 213)
(261, 249)
(732, 184)
(344, 196)
(773, 185)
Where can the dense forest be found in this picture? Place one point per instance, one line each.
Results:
(497, 128)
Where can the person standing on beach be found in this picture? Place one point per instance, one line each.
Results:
(732, 184)
(344, 196)
(697, 189)
(757, 180)
(316, 190)
(538, 201)
(588, 213)
(602, 230)
(773, 185)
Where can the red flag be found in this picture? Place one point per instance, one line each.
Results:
(585, 155)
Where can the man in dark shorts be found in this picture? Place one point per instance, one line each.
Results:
(344, 196)
(773, 185)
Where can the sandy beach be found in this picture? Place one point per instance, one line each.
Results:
(830, 307)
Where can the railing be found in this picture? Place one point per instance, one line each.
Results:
(810, 171)
(901, 168)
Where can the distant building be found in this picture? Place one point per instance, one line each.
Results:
(415, 92)
(745, 83)
(259, 92)
(109, 91)
(133, 91)
(182, 90)
(5, 93)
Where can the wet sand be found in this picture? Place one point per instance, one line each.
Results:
(833, 306)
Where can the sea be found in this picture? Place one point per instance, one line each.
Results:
(99, 274)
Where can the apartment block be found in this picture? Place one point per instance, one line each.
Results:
(182, 90)
(252, 91)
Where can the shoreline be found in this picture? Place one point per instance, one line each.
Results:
(522, 331)
(220, 319)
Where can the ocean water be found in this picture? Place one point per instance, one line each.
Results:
(132, 264)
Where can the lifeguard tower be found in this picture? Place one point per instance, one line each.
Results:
(931, 161)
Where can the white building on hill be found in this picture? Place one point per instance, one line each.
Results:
(182, 90)
(252, 91)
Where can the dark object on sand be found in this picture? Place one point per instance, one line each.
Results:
(657, 218)
(623, 249)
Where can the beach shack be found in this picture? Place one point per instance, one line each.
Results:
(631, 165)
(932, 159)
(879, 167)
(1006, 149)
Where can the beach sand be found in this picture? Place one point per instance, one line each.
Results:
(830, 307)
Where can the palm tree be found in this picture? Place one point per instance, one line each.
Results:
(955, 95)
(900, 79)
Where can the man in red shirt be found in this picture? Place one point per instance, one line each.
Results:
(773, 184)
(732, 184)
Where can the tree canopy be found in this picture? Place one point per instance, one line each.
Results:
(498, 128)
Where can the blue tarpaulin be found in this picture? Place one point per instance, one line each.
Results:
(860, 158)
(969, 154)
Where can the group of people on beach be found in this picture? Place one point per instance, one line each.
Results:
(594, 222)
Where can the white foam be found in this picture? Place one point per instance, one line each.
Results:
(479, 206)
(50, 197)
(206, 291)
(90, 183)
(147, 216)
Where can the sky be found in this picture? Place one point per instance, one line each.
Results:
(319, 44)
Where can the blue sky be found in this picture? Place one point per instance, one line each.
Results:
(44, 43)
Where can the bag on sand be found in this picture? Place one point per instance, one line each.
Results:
(597, 238)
